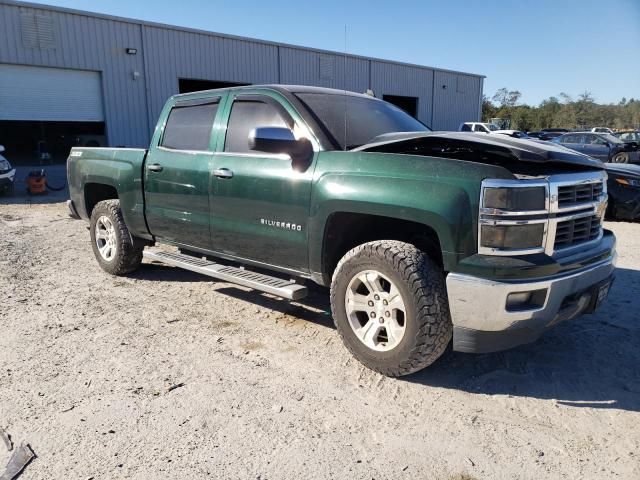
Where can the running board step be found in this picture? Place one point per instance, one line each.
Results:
(282, 288)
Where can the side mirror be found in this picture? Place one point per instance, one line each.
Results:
(282, 140)
(1, 148)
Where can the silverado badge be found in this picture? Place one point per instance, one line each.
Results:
(286, 225)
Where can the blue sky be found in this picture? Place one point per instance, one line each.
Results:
(540, 47)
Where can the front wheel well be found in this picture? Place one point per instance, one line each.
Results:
(97, 192)
(344, 231)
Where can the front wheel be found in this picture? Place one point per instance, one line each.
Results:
(389, 304)
(622, 157)
(114, 248)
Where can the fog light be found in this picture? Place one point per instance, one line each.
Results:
(531, 300)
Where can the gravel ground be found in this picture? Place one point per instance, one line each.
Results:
(166, 374)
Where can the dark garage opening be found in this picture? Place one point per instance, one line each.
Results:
(186, 85)
(41, 143)
(408, 104)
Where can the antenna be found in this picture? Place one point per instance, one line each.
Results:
(344, 83)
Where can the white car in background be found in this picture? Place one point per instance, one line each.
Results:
(480, 127)
(7, 174)
(602, 130)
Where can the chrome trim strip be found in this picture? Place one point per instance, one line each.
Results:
(191, 152)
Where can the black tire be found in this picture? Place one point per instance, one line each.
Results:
(421, 283)
(621, 157)
(128, 252)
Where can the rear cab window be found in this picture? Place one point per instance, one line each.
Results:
(189, 125)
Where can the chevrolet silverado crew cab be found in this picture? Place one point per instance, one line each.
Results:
(422, 237)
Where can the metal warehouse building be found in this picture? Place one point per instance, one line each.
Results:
(71, 77)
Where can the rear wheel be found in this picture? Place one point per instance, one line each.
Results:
(113, 246)
(390, 307)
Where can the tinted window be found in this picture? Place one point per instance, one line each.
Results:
(245, 116)
(189, 127)
(569, 139)
(466, 128)
(354, 120)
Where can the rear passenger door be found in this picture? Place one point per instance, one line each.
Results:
(573, 141)
(176, 176)
(260, 203)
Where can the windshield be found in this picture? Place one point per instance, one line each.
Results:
(366, 118)
(611, 138)
(491, 127)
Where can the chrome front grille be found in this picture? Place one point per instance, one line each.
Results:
(576, 231)
(574, 194)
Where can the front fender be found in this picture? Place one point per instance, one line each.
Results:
(441, 194)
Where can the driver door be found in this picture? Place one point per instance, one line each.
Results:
(260, 203)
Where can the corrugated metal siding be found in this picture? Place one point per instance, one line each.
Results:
(85, 41)
(303, 67)
(456, 99)
(173, 54)
(392, 79)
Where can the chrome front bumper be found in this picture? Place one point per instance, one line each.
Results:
(483, 321)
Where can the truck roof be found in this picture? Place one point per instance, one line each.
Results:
(283, 89)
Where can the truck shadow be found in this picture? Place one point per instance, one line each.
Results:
(314, 307)
(590, 362)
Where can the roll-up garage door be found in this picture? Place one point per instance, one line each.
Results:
(50, 94)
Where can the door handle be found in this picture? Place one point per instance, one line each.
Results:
(223, 173)
(154, 167)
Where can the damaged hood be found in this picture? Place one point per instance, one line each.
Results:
(476, 147)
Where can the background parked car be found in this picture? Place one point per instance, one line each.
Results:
(630, 137)
(478, 127)
(7, 174)
(623, 187)
(602, 130)
(602, 146)
(548, 133)
(512, 133)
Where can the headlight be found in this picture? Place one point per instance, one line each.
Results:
(522, 199)
(513, 217)
(4, 164)
(628, 182)
(512, 237)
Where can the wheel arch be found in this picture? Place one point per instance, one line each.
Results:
(344, 230)
(95, 192)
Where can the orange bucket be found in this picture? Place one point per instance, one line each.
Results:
(36, 182)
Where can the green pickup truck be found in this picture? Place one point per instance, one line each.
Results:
(421, 236)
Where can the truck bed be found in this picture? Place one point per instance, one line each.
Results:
(117, 168)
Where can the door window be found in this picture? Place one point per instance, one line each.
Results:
(189, 127)
(247, 115)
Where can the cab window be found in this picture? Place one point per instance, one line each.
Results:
(247, 115)
(189, 126)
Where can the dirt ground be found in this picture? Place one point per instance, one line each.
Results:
(167, 374)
